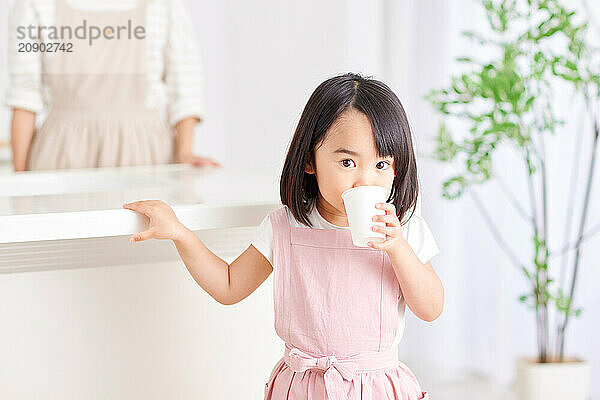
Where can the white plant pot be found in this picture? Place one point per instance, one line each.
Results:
(554, 380)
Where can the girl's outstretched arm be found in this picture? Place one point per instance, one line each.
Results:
(227, 284)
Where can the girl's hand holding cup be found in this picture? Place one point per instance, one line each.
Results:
(373, 222)
(392, 228)
(163, 223)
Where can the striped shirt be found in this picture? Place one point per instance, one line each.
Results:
(174, 69)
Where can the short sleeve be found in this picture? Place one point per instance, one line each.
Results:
(25, 68)
(419, 236)
(263, 241)
(183, 67)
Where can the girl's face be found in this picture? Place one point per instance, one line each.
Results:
(347, 158)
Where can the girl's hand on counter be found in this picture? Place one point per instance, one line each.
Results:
(197, 161)
(163, 221)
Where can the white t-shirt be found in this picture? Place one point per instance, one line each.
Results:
(415, 231)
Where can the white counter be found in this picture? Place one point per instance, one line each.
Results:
(74, 218)
(75, 204)
(136, 325)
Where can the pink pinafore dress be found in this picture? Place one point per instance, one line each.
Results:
(336, 309)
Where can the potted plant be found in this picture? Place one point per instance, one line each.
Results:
(508, 100)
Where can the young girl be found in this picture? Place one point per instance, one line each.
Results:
(339, 308)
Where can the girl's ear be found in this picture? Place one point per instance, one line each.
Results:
(308, 167)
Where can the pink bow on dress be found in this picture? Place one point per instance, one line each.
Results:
(336, 371)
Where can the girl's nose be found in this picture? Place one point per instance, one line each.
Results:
(363, 181)
(364, 177)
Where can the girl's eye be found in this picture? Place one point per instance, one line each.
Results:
(382, 165)
(348, 163)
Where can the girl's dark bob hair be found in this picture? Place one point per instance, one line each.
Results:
(299, 190)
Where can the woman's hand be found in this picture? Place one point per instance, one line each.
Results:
(184, 139)
(163, 221)
(189, 158)
(392, 229)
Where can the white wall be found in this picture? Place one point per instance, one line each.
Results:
(262, 60)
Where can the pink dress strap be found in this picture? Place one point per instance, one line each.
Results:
(279, 221)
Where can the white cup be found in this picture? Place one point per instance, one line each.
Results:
(360, 208)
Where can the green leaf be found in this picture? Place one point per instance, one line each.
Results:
(523, 298)
(454, 187)
(446, 148)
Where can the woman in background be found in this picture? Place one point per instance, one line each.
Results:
(111, 101)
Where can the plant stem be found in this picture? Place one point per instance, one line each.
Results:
(580, 235)
(572, 192)
(539, 317)
(588, 235)
(569, 217)
(503, 245)
(513, 199)
(531, 193)
(544, 251)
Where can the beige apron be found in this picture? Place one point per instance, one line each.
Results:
(98, 116)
